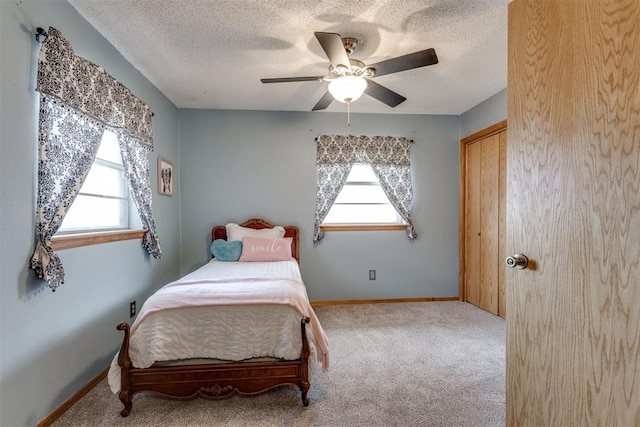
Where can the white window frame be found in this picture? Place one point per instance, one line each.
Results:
(365, 223)
(117, 165)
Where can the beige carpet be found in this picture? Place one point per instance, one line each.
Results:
(413, 364)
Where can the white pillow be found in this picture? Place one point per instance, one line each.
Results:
(237, 232)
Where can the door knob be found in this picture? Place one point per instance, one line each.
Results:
(518, 260)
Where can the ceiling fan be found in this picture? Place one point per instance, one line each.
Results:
(349, 78)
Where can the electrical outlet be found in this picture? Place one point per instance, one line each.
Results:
(372, 275)
(132, 308)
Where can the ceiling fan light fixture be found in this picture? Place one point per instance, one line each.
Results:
(347, 88)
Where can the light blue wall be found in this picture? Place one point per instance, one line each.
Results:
(238, 164)
(54, 343)
(487, 113)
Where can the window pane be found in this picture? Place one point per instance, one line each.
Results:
(89, 212)
(103, 201)
(362, 173)
(362, 201)
(109, 149)
(362, 214)
(361, 194)
(104, 180)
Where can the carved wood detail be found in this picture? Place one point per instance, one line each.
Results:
(216, 379)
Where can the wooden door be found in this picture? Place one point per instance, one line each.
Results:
(573, 197)
(483, 221)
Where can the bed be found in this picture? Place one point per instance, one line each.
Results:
(228, 327)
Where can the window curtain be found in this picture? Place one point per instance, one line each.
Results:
(78, 100)
(136, 167)
(390, 159)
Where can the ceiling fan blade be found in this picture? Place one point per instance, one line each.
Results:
(406, 62)
(383, 94)
(293, 79)
(334, 48)
(324, 102)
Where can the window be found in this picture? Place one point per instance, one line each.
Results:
(103, 201)
(74, 109)
(351, 196)
(362, 201)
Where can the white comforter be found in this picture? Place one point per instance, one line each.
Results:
(232, 331)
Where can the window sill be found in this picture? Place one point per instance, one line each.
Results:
(69, 241)
(363, 227)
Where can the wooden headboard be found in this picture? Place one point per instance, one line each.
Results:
(220, 232)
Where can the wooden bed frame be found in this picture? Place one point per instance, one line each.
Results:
(217, 379)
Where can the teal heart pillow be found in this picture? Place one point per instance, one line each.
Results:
(226, 251)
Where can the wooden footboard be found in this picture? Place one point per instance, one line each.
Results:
(212, 380)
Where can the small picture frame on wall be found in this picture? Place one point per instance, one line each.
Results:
(165, 177)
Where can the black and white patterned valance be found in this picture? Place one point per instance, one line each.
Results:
(372, 150)
(88, 88)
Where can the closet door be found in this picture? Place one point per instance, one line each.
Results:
(473, 223)
(484, 222)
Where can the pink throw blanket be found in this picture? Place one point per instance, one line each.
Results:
(254, 291)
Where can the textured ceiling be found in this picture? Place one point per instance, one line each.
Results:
(212, 53)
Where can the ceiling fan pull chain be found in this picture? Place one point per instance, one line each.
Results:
(348, 118)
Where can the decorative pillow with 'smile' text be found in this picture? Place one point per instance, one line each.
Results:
(256, 249)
